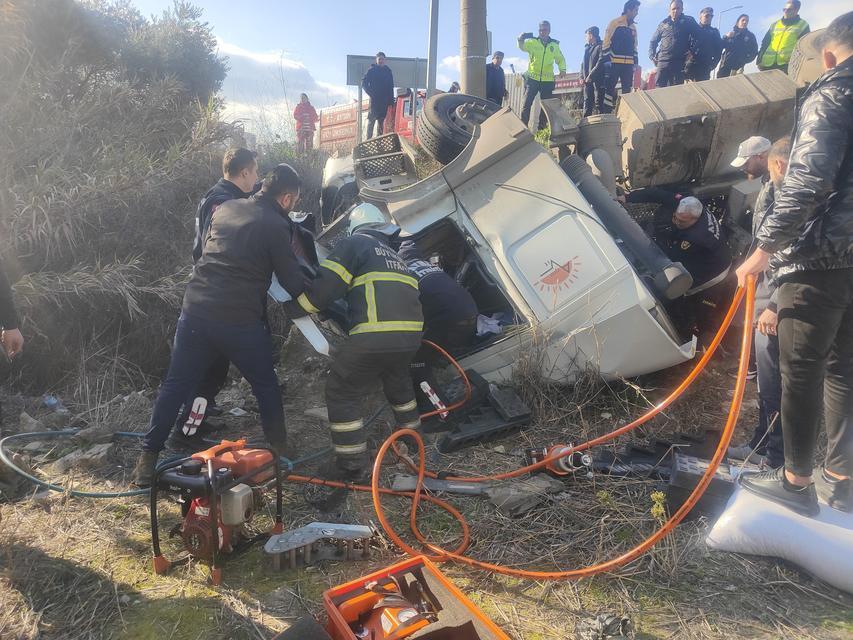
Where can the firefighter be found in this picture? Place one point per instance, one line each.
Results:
(781, 38)
(450, 318)
(385, 329)
(619, 49)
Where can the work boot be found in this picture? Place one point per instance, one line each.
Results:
(143, 474)
(838, 494)
(330, 498)
(182, 442)
(774, 486)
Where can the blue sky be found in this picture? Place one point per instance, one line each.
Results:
(278, 49)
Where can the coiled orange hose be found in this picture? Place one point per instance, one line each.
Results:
(441, 554)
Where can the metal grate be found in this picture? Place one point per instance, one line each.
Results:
(377, 146)
(383, 166)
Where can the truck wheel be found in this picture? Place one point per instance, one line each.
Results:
(448, 122)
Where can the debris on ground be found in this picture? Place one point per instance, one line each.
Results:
(521, 495)
(603, 627)
(90, 458)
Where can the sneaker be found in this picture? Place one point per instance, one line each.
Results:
(838, 494)
(744, 452)
(752, 373)
(181, 442)
(143, 473)
(773, 486)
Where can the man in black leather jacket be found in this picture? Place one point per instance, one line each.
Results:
(807, 241)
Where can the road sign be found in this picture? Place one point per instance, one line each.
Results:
(408, 72)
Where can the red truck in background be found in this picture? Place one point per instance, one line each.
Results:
(338, 124)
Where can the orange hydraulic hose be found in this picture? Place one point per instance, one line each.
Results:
(651, 413)
(461, 371)
(608, 565)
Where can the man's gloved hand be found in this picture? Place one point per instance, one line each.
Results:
(293, 309)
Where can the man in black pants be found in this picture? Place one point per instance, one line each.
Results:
(378, 83)
(223, 310)
(670, 45)
(593, 75)
(239, 175)
(808, 242)
(620, 50)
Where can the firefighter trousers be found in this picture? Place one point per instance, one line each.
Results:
(355, 373)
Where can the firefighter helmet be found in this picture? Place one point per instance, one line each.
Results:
(368, 214)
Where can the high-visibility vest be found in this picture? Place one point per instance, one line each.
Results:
(782, 44)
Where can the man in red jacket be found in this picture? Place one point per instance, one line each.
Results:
(306, 118)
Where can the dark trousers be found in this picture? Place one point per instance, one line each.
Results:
(698, 73)
(594, 97)
(770, 443)
(670, 75)
(545, 90)
(213, 382)
(816, 349)
(725, 71)
(452, 338)
(623, 75)
(377, 118)
(354, 373)
(198, 342)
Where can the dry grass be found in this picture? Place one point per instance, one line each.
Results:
(87, 561)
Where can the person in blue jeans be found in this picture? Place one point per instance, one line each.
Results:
(223, 310)
(767, 441)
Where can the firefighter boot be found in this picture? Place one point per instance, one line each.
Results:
(347, 470)
(143, 474)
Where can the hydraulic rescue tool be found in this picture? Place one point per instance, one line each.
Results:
(319, 541)
(572, 463)
(217, 489)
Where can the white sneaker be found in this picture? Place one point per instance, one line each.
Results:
(744, 452)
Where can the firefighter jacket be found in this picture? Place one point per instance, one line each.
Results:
(620, 42)
(779, 43)
(223, 191)
(811, 225)
(382, 296)
(542, 59)
(672, 41)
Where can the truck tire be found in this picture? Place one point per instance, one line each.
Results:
(448, 122)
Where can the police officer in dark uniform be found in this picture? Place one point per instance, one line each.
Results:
(450, 318)
(385, 329)
(697, 241)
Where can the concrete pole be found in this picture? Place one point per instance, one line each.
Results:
(472, 47)
(432, 57)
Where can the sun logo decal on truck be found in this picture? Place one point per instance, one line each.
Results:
(558, 276)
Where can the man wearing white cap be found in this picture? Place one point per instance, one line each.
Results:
(751, 158)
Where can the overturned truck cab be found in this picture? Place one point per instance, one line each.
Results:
(519, 234)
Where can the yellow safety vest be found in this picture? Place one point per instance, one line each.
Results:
(782, 44)
(542, 59)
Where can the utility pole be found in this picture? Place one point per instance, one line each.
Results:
(432, 57)
(472, 47)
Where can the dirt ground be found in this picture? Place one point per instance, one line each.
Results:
(81, 568)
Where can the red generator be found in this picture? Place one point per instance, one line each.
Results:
(217, 490)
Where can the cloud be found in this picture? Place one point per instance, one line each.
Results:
(262, 87)
(450, 62)
(820, 14)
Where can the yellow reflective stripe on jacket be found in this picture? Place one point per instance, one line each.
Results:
(339, 269)
(305, 303)
(384, 276)
(388, 325)
(370, 296)
(783, 42)
(616, 23)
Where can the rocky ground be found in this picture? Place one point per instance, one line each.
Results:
(80, 568)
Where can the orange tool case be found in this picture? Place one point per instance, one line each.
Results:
(454, 618)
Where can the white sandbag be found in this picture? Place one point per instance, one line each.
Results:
(822, 545)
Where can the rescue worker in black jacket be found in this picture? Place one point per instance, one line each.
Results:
(670, 44)
(239, 177)
(593, 74)
(807, 241)
(11, 340)
(739, 48)
(705, 50)
(619, 52)
(450, 319)
(385, 329)
(378, 83)
(223, 311)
